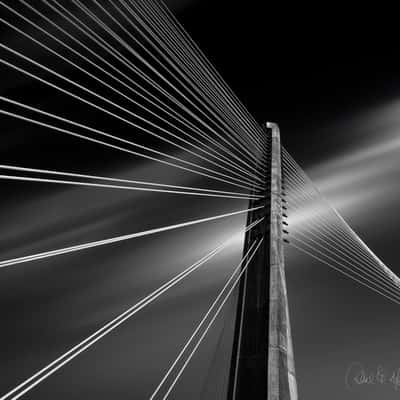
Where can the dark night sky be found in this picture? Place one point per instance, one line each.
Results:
(304, 66)
(330, 77)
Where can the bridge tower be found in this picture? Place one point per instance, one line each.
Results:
(262, 365)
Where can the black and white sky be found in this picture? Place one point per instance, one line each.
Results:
(329, 75)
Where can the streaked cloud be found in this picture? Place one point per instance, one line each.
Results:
(366, 172)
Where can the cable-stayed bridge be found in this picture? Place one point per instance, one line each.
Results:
(124, 78)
